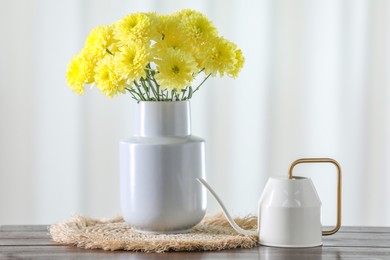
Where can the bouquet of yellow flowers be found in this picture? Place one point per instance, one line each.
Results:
(153, 57)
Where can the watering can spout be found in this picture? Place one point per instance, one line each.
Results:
(226, 213)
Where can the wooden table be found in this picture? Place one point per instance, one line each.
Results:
(350, 242)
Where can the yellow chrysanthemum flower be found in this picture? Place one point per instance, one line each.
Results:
(221, 57)
(197, 27)
(106, 78)
(160, 23)
(137, 27)
(175, 70)
(198, 31)
(131, 61)
(90, 63)
(170, 37)
(100, 40)
(200, 54)
(78, 73)
(240, 60)
(174, 48)
(168, 27)
(176, 43)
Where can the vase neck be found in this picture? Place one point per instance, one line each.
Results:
(170, 118)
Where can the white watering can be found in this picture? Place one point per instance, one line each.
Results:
(289, 210)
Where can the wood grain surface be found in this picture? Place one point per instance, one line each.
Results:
(34, 242)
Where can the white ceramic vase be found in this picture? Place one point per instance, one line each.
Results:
(158, 170)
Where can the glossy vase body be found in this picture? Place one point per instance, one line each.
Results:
(158, 170)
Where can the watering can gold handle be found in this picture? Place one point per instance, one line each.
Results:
(324, 160)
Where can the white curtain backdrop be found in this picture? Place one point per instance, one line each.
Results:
(316, 83)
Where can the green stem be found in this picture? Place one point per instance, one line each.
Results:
(183, 93)
(151, 79)
(139, 91)
(132, 93)
(158, 91)
(189, 93)
(145, 88)
(164, 94)
(157, 87)
(172, 94)
(155, 94)
(201, 70)
(201, 84)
